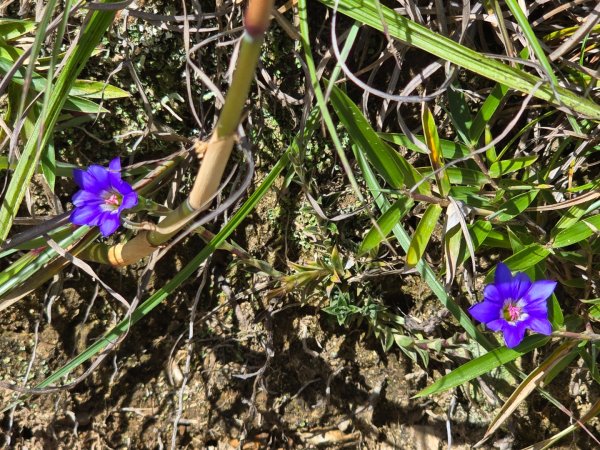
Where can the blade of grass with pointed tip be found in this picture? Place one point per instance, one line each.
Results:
(500, 168)
(450, 149)
(486, 112)
(432, 140)
(577, 232)
(388, 162)
(97, 90)
(459, 113)
(516, 205)
(15, 28)
(423, 234)
(385, 224)
(459, 175)
(519, 15)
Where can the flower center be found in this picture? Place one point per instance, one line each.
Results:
(511, 311)
(112, 200)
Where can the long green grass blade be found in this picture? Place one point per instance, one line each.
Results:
(385, 224)
(423, 234)
(412, 33)
(482, 365)
(388, 162)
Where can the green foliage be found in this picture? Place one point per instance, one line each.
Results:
(445, 201)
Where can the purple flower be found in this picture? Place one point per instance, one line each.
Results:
(513, 304)
(102, 198)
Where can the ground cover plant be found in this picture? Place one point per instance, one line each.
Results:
(314, 224)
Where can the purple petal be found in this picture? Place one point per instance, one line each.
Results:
(492, 294)
(503, 281)
(101, 177)
(115, 165)
(85, 181)
(486, 311)
(520, 285)
(540, 290)
(119, 185)
(497, 325)
(502, 274)
(514, 334)
(87, 215)
(542, 326)
(538, 308)
(109, 223)
(129, 200)
(115, 181)
(82, 198)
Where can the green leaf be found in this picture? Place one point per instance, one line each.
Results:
(15, 28)
(523, 260)
(423, 234)
(84, 106)
(483, 365)
(416, 35)
(526, 258)
(385, 224)
(72, 103)
(487, 110)
(516, 243)
(96, 89)
(496, 239)
(459, 113)
(450, 150)
(433, 144)
(469, 195)
(460, 175)
(48, 164)
(8, 52)
(516, 205)
(569, 218)
(388, 162)
(506, 166)
(577, 232)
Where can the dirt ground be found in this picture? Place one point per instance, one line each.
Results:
(258, 373)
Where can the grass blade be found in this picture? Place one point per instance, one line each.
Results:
(385, 224)
(423, 234)
(412, 33)
(482, 365)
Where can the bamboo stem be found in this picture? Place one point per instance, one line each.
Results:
(216, 152)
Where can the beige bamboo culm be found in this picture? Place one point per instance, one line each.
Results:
(216, 151)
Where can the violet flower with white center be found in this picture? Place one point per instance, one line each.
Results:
(102, 198)
(513, 304)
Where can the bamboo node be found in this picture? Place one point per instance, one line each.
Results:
(200, 148)
(115, 255)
